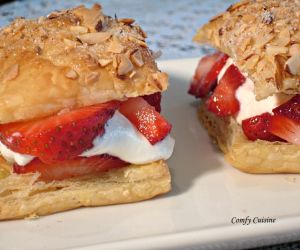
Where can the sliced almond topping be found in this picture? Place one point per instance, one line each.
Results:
(70, 43)
(139, 42)
(125, 65)
(283, 38)
(53, 15)
(132, 74)
(11, 73)
(264, 40)
(141, 32)
(93, 38)
(137, 58)
(92, 77)
(89, 17)
(115, 62)
(115, 46)
(72, 74)
(292, 65)
(92, 63)
(127, 21)
(294, 49)
(104, 62)
(79, 29)
(275, 50)
(251, 62)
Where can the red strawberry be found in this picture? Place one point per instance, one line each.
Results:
(206, 74)
(78, 166)
(148, 121)
(60, 137)
(223, 101)
(285, 128)
(258, 127)
(290, 109)
(154, 100)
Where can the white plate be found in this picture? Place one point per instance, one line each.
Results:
(206, 194)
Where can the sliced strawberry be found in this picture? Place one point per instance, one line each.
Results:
(290, 109)
(154, 100)
(79, 166)
(258, 127)
(148, 121)
(206, 74)
(223, 101)
(60, 137)
(285, 128)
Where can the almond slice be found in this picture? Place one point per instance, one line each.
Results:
(275, 50)
(127, 21)
(115, 46)
(125, 65)
(93, 38)
(292, 65)
(137, 58)
(79, 29)
(69, 42)
(92, 77)
(139, 42)
(294, 49)
(71, 74)
(104, 62)
(11, 73)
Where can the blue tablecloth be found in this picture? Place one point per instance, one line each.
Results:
(170, 25)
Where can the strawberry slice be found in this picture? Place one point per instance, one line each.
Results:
(286, 121)
(258, 127)
(205, 78)
(290, 109)
(285, 128)
(60, 137)
(146, 119)
(223, 101)
(154, 100)
(78, 166)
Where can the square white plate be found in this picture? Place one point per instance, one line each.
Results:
(206, 194)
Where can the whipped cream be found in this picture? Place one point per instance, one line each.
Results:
(229, 62)
(123, 140)
(249, 106)
(12, 157)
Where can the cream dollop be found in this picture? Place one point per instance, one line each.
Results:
(12, 157)
(123, 140)
(249, 106)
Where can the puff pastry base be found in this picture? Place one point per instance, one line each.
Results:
(23, 196)
(256, 157)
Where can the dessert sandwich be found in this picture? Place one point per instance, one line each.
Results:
(249, 88)
(80, 121)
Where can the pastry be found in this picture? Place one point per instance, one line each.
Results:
(80, 121)
(249, 88)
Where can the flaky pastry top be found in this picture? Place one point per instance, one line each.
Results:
(263, 38)
(70, 59)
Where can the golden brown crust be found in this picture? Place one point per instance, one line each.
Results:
(71, 59)
(263, 38)
(23, 196)
(256, 157)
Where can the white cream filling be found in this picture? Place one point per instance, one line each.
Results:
(249, 106)
(12, 157)
(121, 139)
